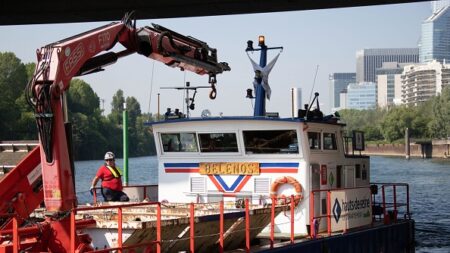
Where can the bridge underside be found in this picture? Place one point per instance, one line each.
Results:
(68, 11)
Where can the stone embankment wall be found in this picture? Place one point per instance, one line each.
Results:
(434, 150)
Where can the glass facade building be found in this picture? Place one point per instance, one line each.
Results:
(435, 38)
(437, 5)
(362, 96)
(338, 83)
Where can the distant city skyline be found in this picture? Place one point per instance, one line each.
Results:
(422, 78)
(325, 38)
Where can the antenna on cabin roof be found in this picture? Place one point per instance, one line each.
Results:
(314, 83)
(190, 101)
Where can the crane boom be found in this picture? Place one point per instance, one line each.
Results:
(60, 61)
(57, 64)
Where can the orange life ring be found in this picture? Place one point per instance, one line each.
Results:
(287, 180)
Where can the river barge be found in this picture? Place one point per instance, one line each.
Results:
(225, 184)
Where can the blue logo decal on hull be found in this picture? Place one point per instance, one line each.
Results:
(337, 210)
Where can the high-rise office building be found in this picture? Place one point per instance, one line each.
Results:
(435, 38)
(338, 83)
(361, 96)
(368, 60)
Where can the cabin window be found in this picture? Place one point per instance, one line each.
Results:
(324, 206)
(329, 141)
(179, 142)
(271, 142)
(339, 176)
(218, 142)
(364, 173)
(314, 140)
(358, 171)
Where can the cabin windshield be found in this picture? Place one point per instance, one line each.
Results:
(218, 142)
(179, 142)
(255, 142)
(271, 142)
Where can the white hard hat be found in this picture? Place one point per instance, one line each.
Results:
(109, 155)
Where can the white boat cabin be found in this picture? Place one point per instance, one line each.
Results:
(213, 159)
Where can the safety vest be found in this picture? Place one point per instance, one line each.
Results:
(115, 171)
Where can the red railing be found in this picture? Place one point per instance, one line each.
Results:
(247, 224)
(248, 229)
(17, 232)
(120, 246)
(390, 210)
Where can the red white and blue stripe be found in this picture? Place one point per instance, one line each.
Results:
(235, 182)
(278, 167)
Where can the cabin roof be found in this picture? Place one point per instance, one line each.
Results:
(194, 119)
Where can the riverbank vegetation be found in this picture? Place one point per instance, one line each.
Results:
(428, 120)
(94, 133)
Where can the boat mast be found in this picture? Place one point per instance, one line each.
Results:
(260, 93)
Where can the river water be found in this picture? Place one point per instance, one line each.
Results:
(429, 181)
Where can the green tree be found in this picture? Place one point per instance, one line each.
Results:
(402, 117)
(113, 135)
(13, 79)
(422, 115)
(81, 98)
(30, 69)
(117, 108)
(134, 110)
(146, 144)
(439, 125)
(26, 127)
(88, 135)
(372, 133)
(88, 142)
(363, 120)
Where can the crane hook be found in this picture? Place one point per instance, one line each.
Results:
(212, 81)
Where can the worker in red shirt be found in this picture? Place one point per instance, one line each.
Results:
(111, 180)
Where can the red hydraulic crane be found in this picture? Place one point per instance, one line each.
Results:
(57, 64)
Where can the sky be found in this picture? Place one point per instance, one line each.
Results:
(326, 40)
